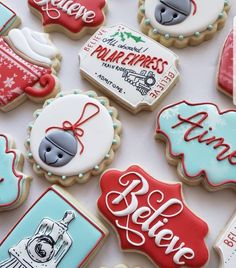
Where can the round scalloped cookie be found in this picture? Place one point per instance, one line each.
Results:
(73, 137)
(182, 23)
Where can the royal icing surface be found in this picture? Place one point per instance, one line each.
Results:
(71, 135)
(151, 217)
(225, 72)
(203, 138)
(12, 182)
(226, 245)
(54, 233)
(130, 66)
(7, 17)
(34, 45)
(73, 15)
(182, 18)
(18, 68)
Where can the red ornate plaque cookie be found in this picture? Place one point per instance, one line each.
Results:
(73, 17)
(151, 217)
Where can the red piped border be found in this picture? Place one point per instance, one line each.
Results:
(75, 208)
(20, 177)
(182, 156)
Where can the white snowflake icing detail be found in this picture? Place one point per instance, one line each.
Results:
(214, 120)
(171, 112)
(9, 82)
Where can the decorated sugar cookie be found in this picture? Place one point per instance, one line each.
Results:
(182, 23)
(225, 67)
(72, 17)
(29, 63)
(201, 142)
(73, 137)
(55, 233)
(8, 19)
(14, 184)
(226, 245)
(128, 66)
(151, 217)
(119, 266)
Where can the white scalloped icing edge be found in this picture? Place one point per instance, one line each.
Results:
(100, 167)
(182, 42)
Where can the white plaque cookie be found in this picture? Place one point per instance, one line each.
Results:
(226, 245)
(129, 66)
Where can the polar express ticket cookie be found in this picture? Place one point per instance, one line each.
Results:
(182, 23)
(151, 217)
(225, 67)
(14, 184)
(129, 67)
(201, 142)
(29, 62)
(73, 137)
(226, 245)
(55, 233)
(8, 19)
(72, 17)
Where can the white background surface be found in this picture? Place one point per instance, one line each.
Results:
(197, 67)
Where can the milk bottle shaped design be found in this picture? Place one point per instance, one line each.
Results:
(46, 248)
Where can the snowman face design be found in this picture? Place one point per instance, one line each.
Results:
(58, 148)
(172, 12)
(41, 249)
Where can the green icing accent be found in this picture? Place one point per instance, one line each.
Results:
(96, 167)
(155, 31)
(81, 175)
(221, 15)
(210, 27)
(147, 21)
(167, 36)
(128, 35)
